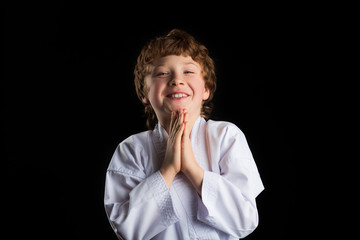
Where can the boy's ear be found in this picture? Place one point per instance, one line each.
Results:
(145, 100)
(206, 94)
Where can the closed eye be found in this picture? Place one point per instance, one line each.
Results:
(161, 74)
(188, 72)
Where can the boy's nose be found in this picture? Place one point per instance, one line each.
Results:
(176, 80)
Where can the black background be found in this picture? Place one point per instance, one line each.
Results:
(69, 100)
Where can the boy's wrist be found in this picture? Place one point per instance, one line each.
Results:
(196, 176)
(168, 174)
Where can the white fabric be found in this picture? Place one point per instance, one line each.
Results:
(140, 206)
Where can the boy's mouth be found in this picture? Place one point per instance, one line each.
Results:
(177, 95)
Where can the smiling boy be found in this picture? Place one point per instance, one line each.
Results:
(187, 177)
(176, 87)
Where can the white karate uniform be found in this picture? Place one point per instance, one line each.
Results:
(139, 204)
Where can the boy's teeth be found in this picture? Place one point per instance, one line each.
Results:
(178, 95)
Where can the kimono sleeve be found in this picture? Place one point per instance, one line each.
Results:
(228, 197)
(137, 206)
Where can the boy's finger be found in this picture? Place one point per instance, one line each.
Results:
(175, 123)
(181, 116)
(179, 133)
(171, 122)
(186, 115)
(187, 131)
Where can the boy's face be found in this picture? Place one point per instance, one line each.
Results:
(175, 83)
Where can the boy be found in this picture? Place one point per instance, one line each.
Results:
(185, 178)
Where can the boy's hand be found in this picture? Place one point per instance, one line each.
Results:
(172, 161)
(187, 155)
(179, 155)
(189, 165)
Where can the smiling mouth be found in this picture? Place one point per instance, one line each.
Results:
(177, 95)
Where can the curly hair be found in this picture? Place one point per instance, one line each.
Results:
(176, 42)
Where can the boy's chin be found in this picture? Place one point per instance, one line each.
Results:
(176, 109)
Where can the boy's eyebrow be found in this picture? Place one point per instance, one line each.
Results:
(188, 63)
(184, 63)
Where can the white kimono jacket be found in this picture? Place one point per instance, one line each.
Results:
(139, 205)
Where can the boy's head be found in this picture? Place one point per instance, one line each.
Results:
(176, 43)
